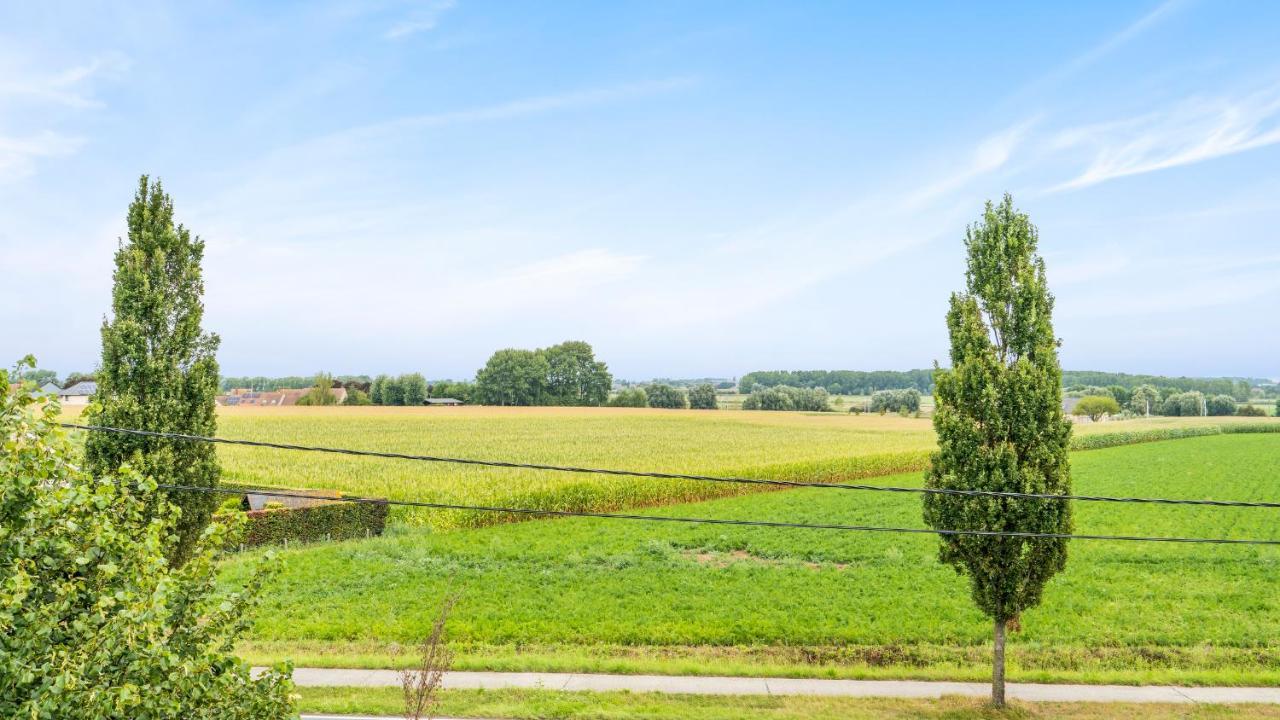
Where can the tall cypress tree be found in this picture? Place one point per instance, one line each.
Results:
(1000, 426)
(158, 369)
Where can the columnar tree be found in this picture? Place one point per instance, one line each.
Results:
(158, 368)
(1000, 426)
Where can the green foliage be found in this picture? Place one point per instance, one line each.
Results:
(852, 382)
(630, 397)
(703, 397)
(321, 393)
(1237, 387)
(457, 390)
(378, 390)
(1121, 394)
(37, 376)
(392, 391)
(78, 377)
(262, 383)
(413, 389)
(564, 374)
(356, 396)
(999, 420)
(1221, 405)
(895, 400)
(785, 397)
(667, 397)
(1096, 406)
(513, 377)
(331, 521)
(158, 368)
(1188, 404)
(1144, 400)
(94, 622)
(1251, 411)
(574, 376)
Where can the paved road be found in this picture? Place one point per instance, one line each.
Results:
(317, 677)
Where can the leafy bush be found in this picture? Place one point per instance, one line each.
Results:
(1221, 405)
(1095, 406)
(666, 397)
(413, 389)
(883, 401)
(331, 521)
(356, 396)
(1251, 411)
(321, 393)
(630, 397)
(703, 397)
(785, 397)
(94, 622)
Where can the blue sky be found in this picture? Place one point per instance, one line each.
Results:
(695, 188)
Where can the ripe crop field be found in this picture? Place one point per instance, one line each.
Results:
(588, 594)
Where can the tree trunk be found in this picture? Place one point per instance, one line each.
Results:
(997, 669)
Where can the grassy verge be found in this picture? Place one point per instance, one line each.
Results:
(530, 704)
(1194, 666)
(585, 594)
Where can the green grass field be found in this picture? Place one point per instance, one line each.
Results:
(589, 594)
(787, 445)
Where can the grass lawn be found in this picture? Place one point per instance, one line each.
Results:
(597, 595)
(520, 704)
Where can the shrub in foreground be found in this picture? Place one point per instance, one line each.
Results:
(331, 521)
(94, 622)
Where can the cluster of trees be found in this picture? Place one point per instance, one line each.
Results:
(899, 401)
(667, 397)
(842, 382)
(1239, 388)
(690, 383)
(289, 382)
(786, 397)
(1151, 400)
(39, 377)
(564, 374)
(409, 389)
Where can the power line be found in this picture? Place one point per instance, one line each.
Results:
(674, 476)
(714, 521)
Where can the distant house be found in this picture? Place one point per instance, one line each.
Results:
(447, 402)
(78, 394)
(50, 389)
(245, 397)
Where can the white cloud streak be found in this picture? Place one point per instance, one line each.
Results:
(422, 20)
(1195, 131)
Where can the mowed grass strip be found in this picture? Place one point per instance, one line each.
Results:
(838, 603)
(535, 704)
(813, 447)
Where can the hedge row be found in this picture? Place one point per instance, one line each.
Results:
(1131, 437)
(331, 521)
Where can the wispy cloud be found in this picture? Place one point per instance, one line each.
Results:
(1116, 41)
(66, 88)
(1194, 131)
(423, 19)
(17, 154)
(990, 154)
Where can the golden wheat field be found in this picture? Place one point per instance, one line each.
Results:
(819, 447)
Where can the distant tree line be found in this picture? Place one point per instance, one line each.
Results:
(841, 382)
(262, 383)
(1152, 400)
(1239, 388)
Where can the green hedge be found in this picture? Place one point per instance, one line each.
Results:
(331, 521)
(1131, 437)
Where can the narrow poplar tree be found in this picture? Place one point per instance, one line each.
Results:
(158, 369)
(1000, 426)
